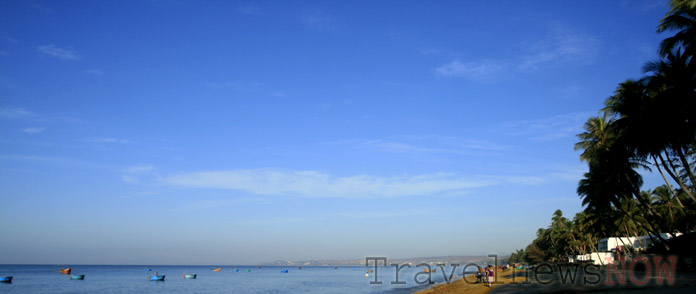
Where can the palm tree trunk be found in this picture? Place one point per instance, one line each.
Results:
(640, 241)
(621, 240)
(596, 250)
(676, 178)
(652, 213)
(669, 185)
(576, 247)
(648, 227)
(687, 167)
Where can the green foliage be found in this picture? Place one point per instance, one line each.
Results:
(518, 256)
(651, 124)
(648, 124)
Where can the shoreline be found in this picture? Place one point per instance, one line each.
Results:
(685, 282)
(460, 285)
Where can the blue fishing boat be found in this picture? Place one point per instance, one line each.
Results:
(189, 276)
(6, 279)
(236, 270)
(157, 278)
(284, 271)
(77, 277)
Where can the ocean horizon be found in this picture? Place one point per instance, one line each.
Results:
(30, 278)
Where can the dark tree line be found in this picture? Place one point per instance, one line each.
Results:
(647, 124)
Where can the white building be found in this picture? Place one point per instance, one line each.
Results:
(607, 247)
(640, 243)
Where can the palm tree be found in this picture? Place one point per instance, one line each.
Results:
(612, 176)
(663, 200)
(654, 117)
(682, 18)
(597, 137)
(673, 82)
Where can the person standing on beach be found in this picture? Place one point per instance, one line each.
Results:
(480, 275)
(490, 275)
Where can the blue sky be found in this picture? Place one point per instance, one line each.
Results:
(221, 132)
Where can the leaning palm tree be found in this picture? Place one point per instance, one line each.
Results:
(672, 81)
(654, 117)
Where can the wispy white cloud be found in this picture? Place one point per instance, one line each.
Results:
(129, 179)
(352, 215)
(220, 203)
(11, 113)
(33, 130)
(6, 37)
(428, 144)
(134, 173)
(109, 141)
(20, 113)
(138, 169)
(317, 184)
(30, 157)
(279, 94)
(548, 128)
(571, 173)
(481, 71)
(60, 53)
(560, 47)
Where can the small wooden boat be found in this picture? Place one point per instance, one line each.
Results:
(236, 270)
(299, 267)
(65, 271)
(77, 277)
(284, 271)
(216, 269)
(157, 278)
(248, 271)
(369, 271)
(6, 279)
(429, 270)
(189, 276)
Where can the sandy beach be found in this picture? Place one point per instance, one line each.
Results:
(685, 282)
(462, 286)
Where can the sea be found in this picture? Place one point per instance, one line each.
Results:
(264, 279)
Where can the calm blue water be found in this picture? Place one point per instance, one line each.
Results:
(268, 279)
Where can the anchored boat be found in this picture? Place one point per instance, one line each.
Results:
(157, 278)
(6, 279)
(65, 271)
(77, 277)
(189, 276)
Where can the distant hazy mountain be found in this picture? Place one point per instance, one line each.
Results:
(461, 260)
